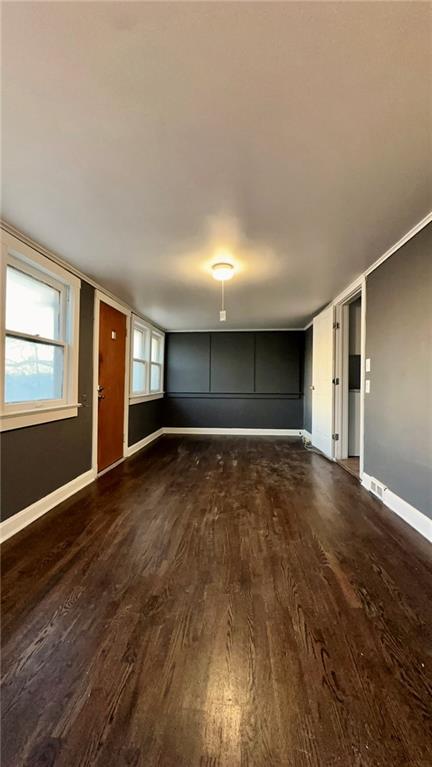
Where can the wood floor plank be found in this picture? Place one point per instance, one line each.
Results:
(218, 602)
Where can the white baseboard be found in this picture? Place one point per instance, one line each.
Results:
(307, 435)
(403, 509)
(24, 517)
(235, 432)
(143, 442)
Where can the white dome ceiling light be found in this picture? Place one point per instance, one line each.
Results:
(222, 271)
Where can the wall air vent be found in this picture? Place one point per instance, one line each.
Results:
(377, 488)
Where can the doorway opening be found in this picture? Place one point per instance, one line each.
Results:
(349, 362)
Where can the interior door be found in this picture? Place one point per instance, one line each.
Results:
(111, 385)
(322, 382)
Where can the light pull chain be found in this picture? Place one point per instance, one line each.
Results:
(222, 313)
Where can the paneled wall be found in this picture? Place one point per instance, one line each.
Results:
(235, 380)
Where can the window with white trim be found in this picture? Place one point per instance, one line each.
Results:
(156, 362)
(147, 361)
(140, 343)
(39, 359)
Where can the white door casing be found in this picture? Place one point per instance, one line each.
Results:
(322, 381)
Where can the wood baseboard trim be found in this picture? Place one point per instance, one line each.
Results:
(37, 509)
(412, 516)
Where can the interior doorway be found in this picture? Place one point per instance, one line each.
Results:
(349, 378)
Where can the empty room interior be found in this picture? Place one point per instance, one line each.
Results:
(216, 384)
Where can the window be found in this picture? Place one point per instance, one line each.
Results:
(139, 359)
(147, 352)
(39, 365)
(156, 363)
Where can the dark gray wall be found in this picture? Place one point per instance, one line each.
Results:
(39, 459)
(398, 410)
(307, 380)
(144, 418)
(234, 380)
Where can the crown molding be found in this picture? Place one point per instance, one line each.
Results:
(71, 269)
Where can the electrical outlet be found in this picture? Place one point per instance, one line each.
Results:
(367, 387)
(368, 365)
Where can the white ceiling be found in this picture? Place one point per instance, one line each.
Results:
(139, 138)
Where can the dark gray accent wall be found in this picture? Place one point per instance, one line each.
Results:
(39, 459)
(307, 379)
(398, 410)
(144, 419)
(234, 380)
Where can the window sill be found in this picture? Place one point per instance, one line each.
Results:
(145, 398)
(24, 418)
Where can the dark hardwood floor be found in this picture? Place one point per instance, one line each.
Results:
(218, 602)
(351, 464)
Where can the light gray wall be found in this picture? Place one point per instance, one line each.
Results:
(398, 410)
(307, 381)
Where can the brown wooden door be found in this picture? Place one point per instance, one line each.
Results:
(112, 348)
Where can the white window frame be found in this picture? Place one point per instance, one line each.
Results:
(29, 261)
(149, 331)
(160, 365)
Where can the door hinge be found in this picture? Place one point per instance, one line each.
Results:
(335, 381)
(335, 437)
(336, 326)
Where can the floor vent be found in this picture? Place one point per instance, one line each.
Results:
(377, 488)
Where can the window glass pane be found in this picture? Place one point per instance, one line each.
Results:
(138, 377)
(33, 371)
(156, 348)
(31, 306)
(155, 378)
(138, 343)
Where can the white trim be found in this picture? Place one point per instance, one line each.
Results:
(111, 466)
(26, 418)
(235, 330)
(28, 515)
(98, 297)
(340, 416)
(137, 398)
(234, 432)
(397, 245)
(9, 229)
(29, 261)
(132, 449)
(307, 435)
(26, 240)
(341, 297)
(403, 509)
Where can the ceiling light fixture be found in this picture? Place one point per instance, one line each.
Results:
(222, 271)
